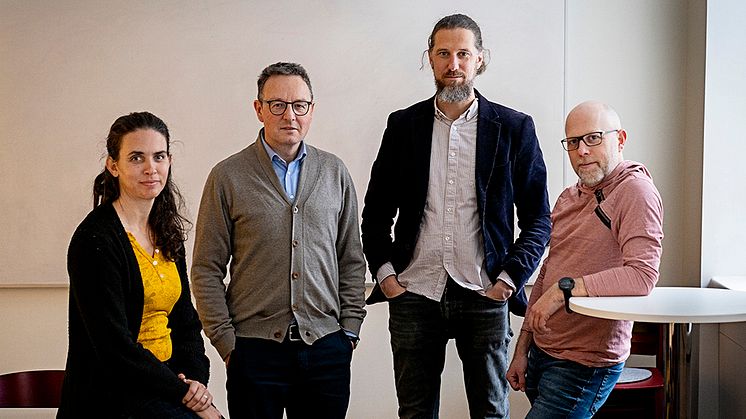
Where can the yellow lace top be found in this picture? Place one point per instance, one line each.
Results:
(162, 288)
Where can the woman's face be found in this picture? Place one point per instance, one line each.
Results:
(142, 166)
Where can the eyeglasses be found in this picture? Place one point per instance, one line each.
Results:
(299, 107)
(591, 139)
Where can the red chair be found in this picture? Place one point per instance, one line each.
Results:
(41, 389)
(644, 399)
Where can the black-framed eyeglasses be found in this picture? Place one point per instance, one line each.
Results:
(591, 139)
(278, 107)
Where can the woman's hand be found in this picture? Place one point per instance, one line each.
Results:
(197, 398)
(210, 413)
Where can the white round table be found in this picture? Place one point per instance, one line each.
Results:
(672, 306)
(668, 305)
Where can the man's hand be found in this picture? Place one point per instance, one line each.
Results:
(548, 304)
(391, 287)
(516, 374)
(499, 291)
(540, 312)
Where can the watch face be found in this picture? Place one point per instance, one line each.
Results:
(566, 283)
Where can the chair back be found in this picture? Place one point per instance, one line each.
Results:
(42, 389)
(648, 339)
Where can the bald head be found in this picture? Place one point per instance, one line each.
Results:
(593, 163)
(596, 115)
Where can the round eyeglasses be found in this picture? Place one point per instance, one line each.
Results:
(591, 139)
(278, 107)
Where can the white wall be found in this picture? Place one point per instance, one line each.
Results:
(70, 68)
(723, 225)
(77, 65)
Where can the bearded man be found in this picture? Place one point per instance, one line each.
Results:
(453, 171)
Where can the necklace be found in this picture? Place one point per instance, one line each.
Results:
(141, 235)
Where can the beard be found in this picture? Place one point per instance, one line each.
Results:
(593, 178)
(453, 93)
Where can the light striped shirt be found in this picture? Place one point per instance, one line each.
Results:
(450, 242)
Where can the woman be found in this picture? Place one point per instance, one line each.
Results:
(135, 348)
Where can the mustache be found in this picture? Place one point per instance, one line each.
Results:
(455, 74)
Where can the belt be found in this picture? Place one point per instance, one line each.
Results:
(294, 333)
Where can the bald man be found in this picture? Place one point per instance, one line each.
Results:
(606, 241)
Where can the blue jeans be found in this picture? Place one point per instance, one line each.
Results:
(266, 378)
(420, 329)
(558, 388)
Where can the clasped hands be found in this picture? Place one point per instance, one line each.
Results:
(199, 400)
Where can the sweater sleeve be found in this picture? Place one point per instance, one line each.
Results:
(188, 355)
(350, 260)
(212, 251)
(98, 272)
(637, 224)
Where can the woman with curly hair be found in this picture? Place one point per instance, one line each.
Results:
(135, 348)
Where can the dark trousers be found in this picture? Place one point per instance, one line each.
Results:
(266, 378)
(158, 409)
(420, 329)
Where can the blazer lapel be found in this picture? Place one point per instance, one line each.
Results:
(488, 138)
(422, 139)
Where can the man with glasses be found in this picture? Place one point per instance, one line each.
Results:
(282, 215)
(453, 170)
(606, 241)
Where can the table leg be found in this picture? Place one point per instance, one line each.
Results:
(672, 373)
(678, 341)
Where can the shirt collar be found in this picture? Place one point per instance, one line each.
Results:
(272, 154)
(469, 114)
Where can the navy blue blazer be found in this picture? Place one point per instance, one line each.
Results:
(510, 174)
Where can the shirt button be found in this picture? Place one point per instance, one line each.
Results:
(295, 210)
(162, 275)
(450, 181)
(448, 238)
(453, 153)
(157, 251)
(295, 243)
(278, 335)
(155, 262)
(295, 275)
(308, 333)
(450, 209)
(292, 196)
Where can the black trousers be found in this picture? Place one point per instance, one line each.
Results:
(266, 378)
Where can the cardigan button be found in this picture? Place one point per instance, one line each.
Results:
(295, 275)
(278, 335)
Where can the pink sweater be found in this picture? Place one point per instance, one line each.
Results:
(622, 260)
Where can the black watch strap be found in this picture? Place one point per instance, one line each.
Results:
(567, 284)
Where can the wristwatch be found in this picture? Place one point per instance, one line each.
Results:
(567, 284)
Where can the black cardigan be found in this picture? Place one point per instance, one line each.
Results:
(108, 372)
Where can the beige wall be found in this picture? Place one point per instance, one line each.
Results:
(76, 66)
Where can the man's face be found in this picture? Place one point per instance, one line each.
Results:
(593, 164)
(284, 132)
(455, 61)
